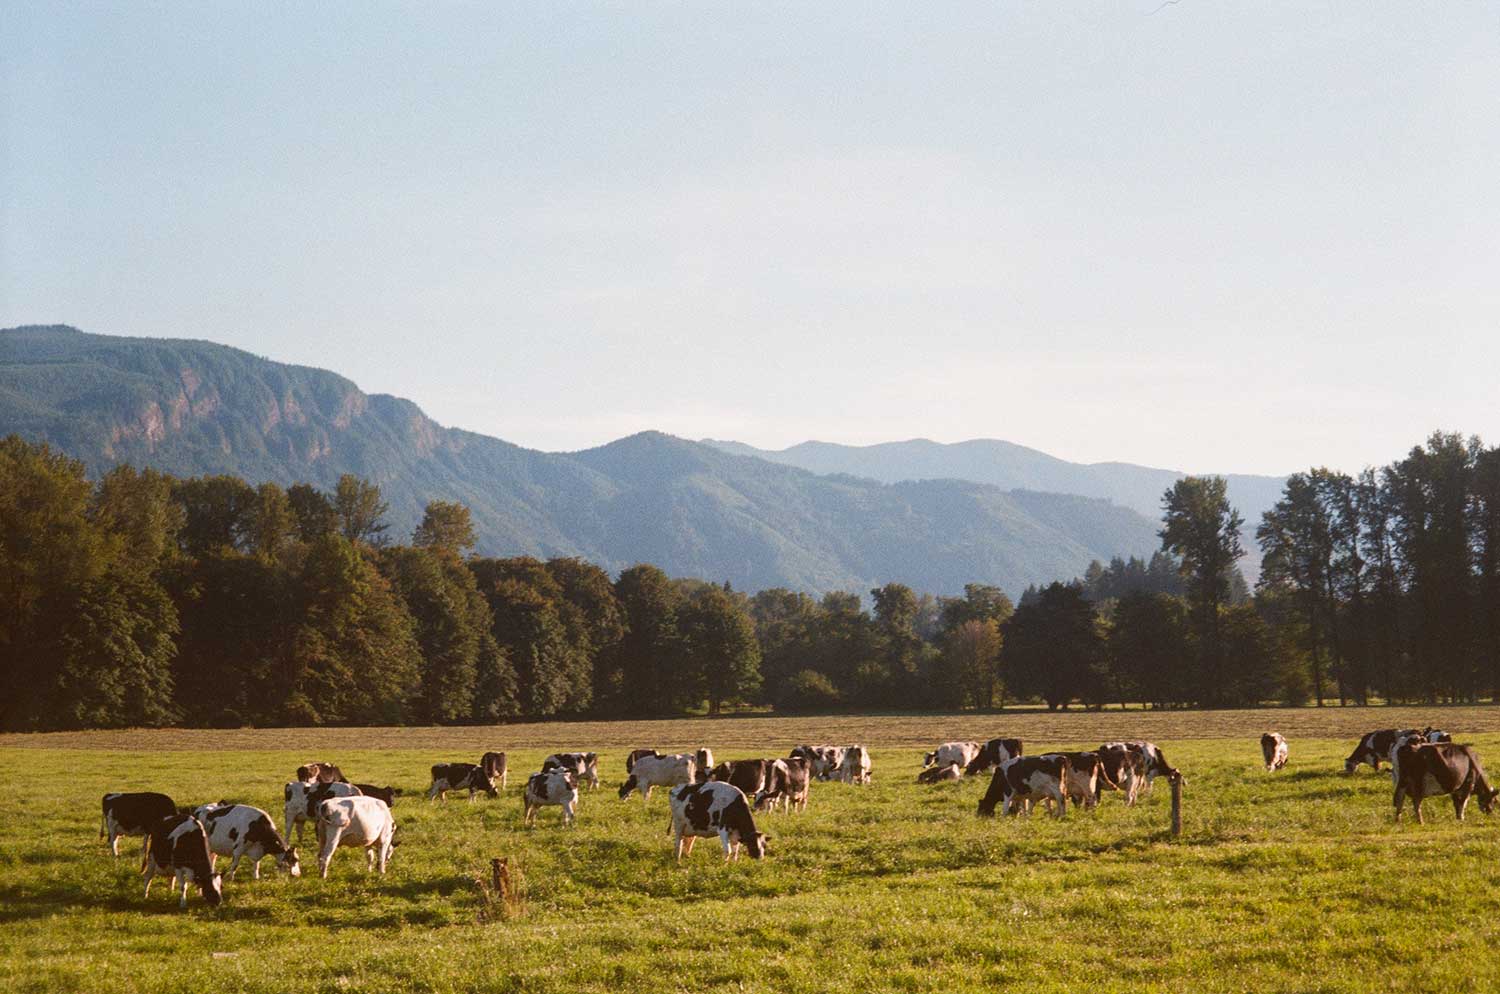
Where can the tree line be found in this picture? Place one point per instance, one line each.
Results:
(144, 599)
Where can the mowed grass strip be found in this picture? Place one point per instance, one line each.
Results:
(1292, 881)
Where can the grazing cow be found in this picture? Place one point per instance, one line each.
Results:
(1084, 781)
(495, 768)
(240, 830)
(993, 753)
(1375, 747)
(1427, 769)
(178, 846)
(786, 785)
(951, 753)
(320, 773)
(938, 774)
(1415, 738)
(855, 767)
(658, 771)
(584, 766)
(1154, 761)
(637, 754)
(1022, 781)
(460, 776)
(703, 810)
(386, 794)
(302, 800)
(355, 821)
(749, 775)
(557, 786)
(1273, 748)
(1436, 735)
(132, 814)
(1124, 769)
(824, 760)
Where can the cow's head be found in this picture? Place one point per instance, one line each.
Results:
(1352, 763)
(929, 758)
(289, 862)
(627, 786)
(1486, 799)
(213, 890)
(755, 845)
(488, 783)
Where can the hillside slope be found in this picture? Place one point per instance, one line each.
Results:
(192, 407)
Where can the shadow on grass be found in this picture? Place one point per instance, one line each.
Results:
(18, 904)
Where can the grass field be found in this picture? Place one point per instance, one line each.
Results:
(1297, 881)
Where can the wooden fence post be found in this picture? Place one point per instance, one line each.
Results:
(1176, 780)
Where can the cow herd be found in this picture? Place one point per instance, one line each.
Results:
(708, 799)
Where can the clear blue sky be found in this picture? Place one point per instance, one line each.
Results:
(1215, 237)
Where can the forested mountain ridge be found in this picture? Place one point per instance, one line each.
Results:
(193, 408)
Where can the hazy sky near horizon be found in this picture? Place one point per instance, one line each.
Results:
(1214, 237)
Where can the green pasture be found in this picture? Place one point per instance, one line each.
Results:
(1297, 881)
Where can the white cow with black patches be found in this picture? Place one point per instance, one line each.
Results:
(242, 831)
(555, 787)
(659, 771)
(704, 810)
(178, 846)
(302, 800)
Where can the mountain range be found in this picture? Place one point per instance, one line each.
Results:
(717, 511)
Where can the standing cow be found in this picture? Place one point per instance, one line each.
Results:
(703, 810)
(1273, 748)
(636, 754)
(994, 753)
(824, 760)
(302, 800)
(1428, 769)
(583, 765)
(460, 776)
(355, 821)
(1124, 769)
(495, 768)
(1022, 781)
(241, 831)
(1375, 748)
(786, 785)
(654, 770)
(132, 814)
(320, 773)
(557, 786)
(178, 846)
(1083, 783)
(855, 767)
(959, 754)
(749, 775)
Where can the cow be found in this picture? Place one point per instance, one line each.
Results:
(1436, 735)
(786, 785)
(355, 821)
(1020, 782)
(938, 774)
(993, 753)
(1085, 773)
(495, 767)
(584, 766)
(302, 800)
(749, 775)
(1153, 759)
(636, 754)
(1273, 748)
(460, 776)
(1124, 769)
(1415, 738)
(703, 810)
(132, 814)
(320, 773)
(658, 771)
(952, 753)
(855, 767)
(1426, 769)
(386, 794)
(240, 831)
(557, 786)
(824, 760)
(178, 845)
(1375, 747)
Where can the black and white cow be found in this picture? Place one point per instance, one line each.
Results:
(557, 786)
(178, 846)
(1124, 769)
(302, 800)
(1154, 760)
(1374, 748)
(1022, 781)
(1436, 735)
(855, 766)
(241, 831)
(320, 773)
(940, 774)
(637, 754)
(703, 810)
(824, 760)
(584, 766)
(1085, 773)
(992, 754)
(460, 776)
(787, 784)
(959, 754)
(386, 794)
(360, 821)
(1428, 769)
(749, 775)
(1273, 749)
(132, 814)
(658, 771)
(705, 758)
(496, 767)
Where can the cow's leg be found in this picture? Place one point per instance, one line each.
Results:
(149, 872)
(1460, 802)
(432, 791)
(1062, 805)
(1416, 807)
(567, 818)
(530, 818)
(728, 846)
(370, 858)
(328, 844)
(114, 842)
(181, 882)
(385, 852)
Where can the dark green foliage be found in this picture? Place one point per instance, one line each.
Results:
(1202, 530)
(717, 641)
(1054, 649)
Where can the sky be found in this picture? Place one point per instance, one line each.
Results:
(1214, 237)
